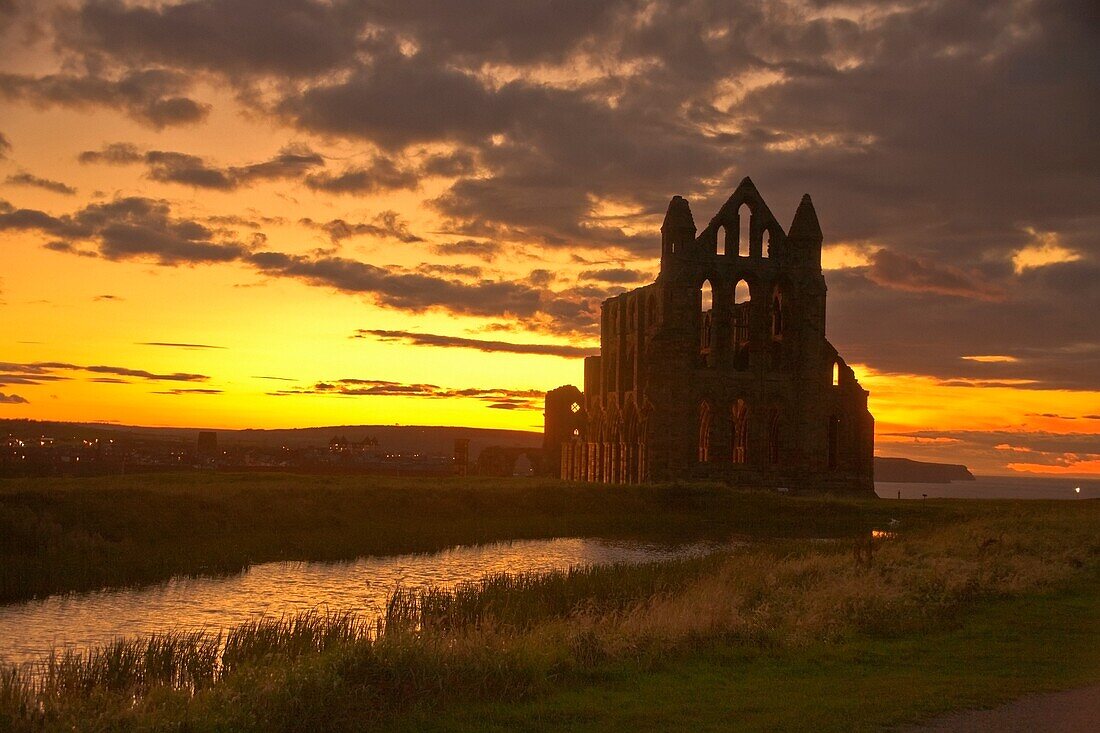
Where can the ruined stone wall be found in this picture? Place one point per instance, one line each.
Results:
(721, 369)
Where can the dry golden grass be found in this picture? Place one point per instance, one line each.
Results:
(510, 636)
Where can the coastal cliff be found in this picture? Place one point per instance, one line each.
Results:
(903, 470)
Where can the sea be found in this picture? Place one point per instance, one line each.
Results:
(995, 487)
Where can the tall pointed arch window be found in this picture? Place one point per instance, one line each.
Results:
(744, 229)
(777, 313)
(705, 420)
(706, 317)
(740, 432)
(742, 305)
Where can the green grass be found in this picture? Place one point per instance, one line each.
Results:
(77, 534)
(1004, 649)
(999, 599)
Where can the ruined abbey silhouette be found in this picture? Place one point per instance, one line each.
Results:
(720, 368)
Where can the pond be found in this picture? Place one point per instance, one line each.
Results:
(30, 630)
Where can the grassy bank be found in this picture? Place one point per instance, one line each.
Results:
(78, 534)
(788, 634)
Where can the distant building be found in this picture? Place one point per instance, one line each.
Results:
(720, 368)
(340, 445)
(206, 450)
(462, 456)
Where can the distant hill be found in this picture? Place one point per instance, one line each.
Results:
(396, 438)
(903, 470)
(424, 439)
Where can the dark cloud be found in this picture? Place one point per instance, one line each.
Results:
(128, 228)
(487, 251)
(46, 371)
(1050, 335)
(449, 165)
(385, 224)
(237, 37)
(467, 271)
(12, 399)
(178, 345)
(495, 397)
(619, 275)
(5, 146)
(108, 297)
(150, 96)
(457, 342)
(412, 291)
(382, 174)
(293, 161)
(27, 179)
(899, 271)
(140, 228)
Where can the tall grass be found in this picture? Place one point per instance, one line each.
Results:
(60, 535)
(512, 636)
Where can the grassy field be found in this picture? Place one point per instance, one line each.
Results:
(79, 534)
(969, 603)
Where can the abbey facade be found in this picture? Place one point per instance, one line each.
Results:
(719, 369)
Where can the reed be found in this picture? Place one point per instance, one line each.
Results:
(60, 535)
(510, 637)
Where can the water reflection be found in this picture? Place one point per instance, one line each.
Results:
(80, 620)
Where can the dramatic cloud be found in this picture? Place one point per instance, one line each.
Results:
(127, 228)
(27, 179)
(12, 399)
(381, 175)
(507, 399)
(487, 251)
(385, 224)
(457, 342)
(618, 275)
(294, 38)
(293, 161)
(47, 371)
(140, 228)
(901, 272)
(150, 96)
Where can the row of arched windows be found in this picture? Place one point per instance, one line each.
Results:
(739, 433)
(741, 312)
(737, 241)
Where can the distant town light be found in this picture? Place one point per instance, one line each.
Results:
(1077, 489)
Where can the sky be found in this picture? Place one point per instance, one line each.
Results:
(284, 213)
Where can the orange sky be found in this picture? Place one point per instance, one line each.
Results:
(265, 346)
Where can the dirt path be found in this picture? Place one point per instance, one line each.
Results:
(1070, 711)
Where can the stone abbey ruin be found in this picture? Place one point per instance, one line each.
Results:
(720, 368)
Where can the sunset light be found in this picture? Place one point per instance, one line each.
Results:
(549, 365)
(270, 237)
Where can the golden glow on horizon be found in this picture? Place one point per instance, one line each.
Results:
(283, 334)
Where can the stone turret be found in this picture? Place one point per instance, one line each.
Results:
(805, 232)
(678, 229)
